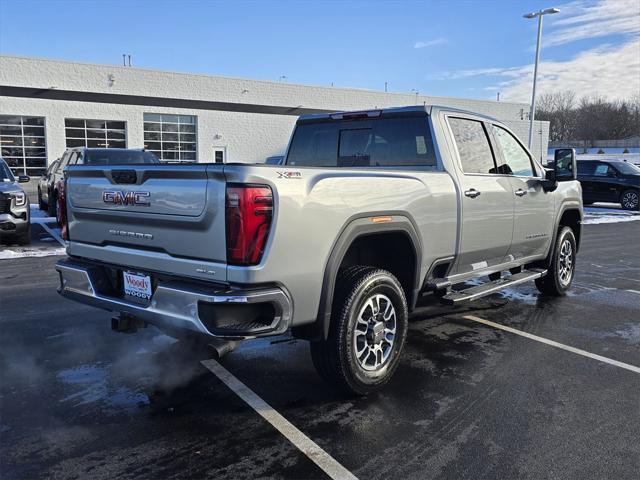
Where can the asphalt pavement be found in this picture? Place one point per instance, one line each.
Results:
(468, 401)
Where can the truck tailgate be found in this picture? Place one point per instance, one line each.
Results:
(158, 217)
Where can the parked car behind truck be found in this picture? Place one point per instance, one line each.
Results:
(370, 212)
(614, 181)
(89, 156)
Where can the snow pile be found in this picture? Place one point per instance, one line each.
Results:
(596, 216)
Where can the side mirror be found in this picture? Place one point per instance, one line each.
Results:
(549, 183)
(23, 178)
(564, 165)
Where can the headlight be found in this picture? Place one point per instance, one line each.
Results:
(21, 199)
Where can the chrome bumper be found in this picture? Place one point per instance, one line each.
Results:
(176, 305)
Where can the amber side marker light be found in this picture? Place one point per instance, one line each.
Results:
(381, 219)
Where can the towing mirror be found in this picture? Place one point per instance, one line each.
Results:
(564, 165)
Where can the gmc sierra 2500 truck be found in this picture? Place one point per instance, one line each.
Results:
(370, 212)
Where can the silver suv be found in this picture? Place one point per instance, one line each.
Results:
(14, 207)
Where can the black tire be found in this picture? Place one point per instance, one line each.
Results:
(558, 279)
(335, 358)
(41, 204)
(25, 237)
(52, 204)
(630, 199)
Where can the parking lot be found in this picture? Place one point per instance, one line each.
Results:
(556, 397)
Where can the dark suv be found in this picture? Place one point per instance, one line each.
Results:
(614, 181)
(14, 207)
(92, 156)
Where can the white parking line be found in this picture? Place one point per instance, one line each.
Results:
(322, 459)
(53, 234)
(634, 291)
(562, 346)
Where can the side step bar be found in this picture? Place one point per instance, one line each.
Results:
(477, 291)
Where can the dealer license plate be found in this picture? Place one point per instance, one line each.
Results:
(137, 285)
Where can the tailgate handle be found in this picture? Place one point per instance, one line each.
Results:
(124, 176)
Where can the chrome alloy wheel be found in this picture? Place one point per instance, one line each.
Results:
(375, 332)
(630, 200)
(565, 263)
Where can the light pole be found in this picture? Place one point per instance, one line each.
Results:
(539, 14)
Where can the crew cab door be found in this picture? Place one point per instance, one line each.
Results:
(487, 199)
(534, 207)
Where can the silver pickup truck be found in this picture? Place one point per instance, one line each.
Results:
(370, 213)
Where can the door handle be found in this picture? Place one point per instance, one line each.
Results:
(520, 192)
(472, 193)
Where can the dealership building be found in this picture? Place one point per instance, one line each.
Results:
(47, 106)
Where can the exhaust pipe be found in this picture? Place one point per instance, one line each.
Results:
(220, 347)
(125, 323)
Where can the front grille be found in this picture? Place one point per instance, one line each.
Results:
(5, 203)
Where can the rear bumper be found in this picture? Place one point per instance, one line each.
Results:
(176, 305)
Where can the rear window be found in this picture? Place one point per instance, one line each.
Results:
(117, 157)
(384, 142)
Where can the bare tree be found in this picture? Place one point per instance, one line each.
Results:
(590, 118)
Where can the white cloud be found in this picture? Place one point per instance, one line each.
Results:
(580, 20)
(430, 43)
(611, 71)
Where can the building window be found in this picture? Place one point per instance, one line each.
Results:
(95, 133)
(171, 137)
(24, 146)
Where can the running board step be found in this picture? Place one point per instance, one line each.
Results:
(477, 291)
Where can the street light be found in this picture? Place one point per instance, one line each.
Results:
(539, 14)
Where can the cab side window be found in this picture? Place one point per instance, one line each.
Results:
(516, 159)
(473, 145)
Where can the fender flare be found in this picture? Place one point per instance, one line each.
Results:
(355, 227)
(563, 209)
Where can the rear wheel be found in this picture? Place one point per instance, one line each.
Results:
(630, 200)
(51, 204)
(41, 204)
(368, 329)
(560, 274)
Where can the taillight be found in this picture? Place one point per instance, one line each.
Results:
(61, 210)
(249, 209)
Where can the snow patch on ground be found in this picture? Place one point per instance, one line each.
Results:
(22, 252)
(597, 216)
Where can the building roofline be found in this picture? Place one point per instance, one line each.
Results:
(266, 82)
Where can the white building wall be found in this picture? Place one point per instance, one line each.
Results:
(247, 137)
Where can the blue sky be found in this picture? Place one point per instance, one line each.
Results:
(451, 48)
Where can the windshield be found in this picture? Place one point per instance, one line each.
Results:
(118, 157)
(5, 172)
(627, 168)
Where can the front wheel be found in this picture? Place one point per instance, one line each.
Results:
(630, 200)
(560, 274)
(368, 329)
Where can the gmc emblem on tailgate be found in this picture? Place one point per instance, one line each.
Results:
(119, 197)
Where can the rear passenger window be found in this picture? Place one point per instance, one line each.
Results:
(586, 168)
(473, 146)
(383, 142)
